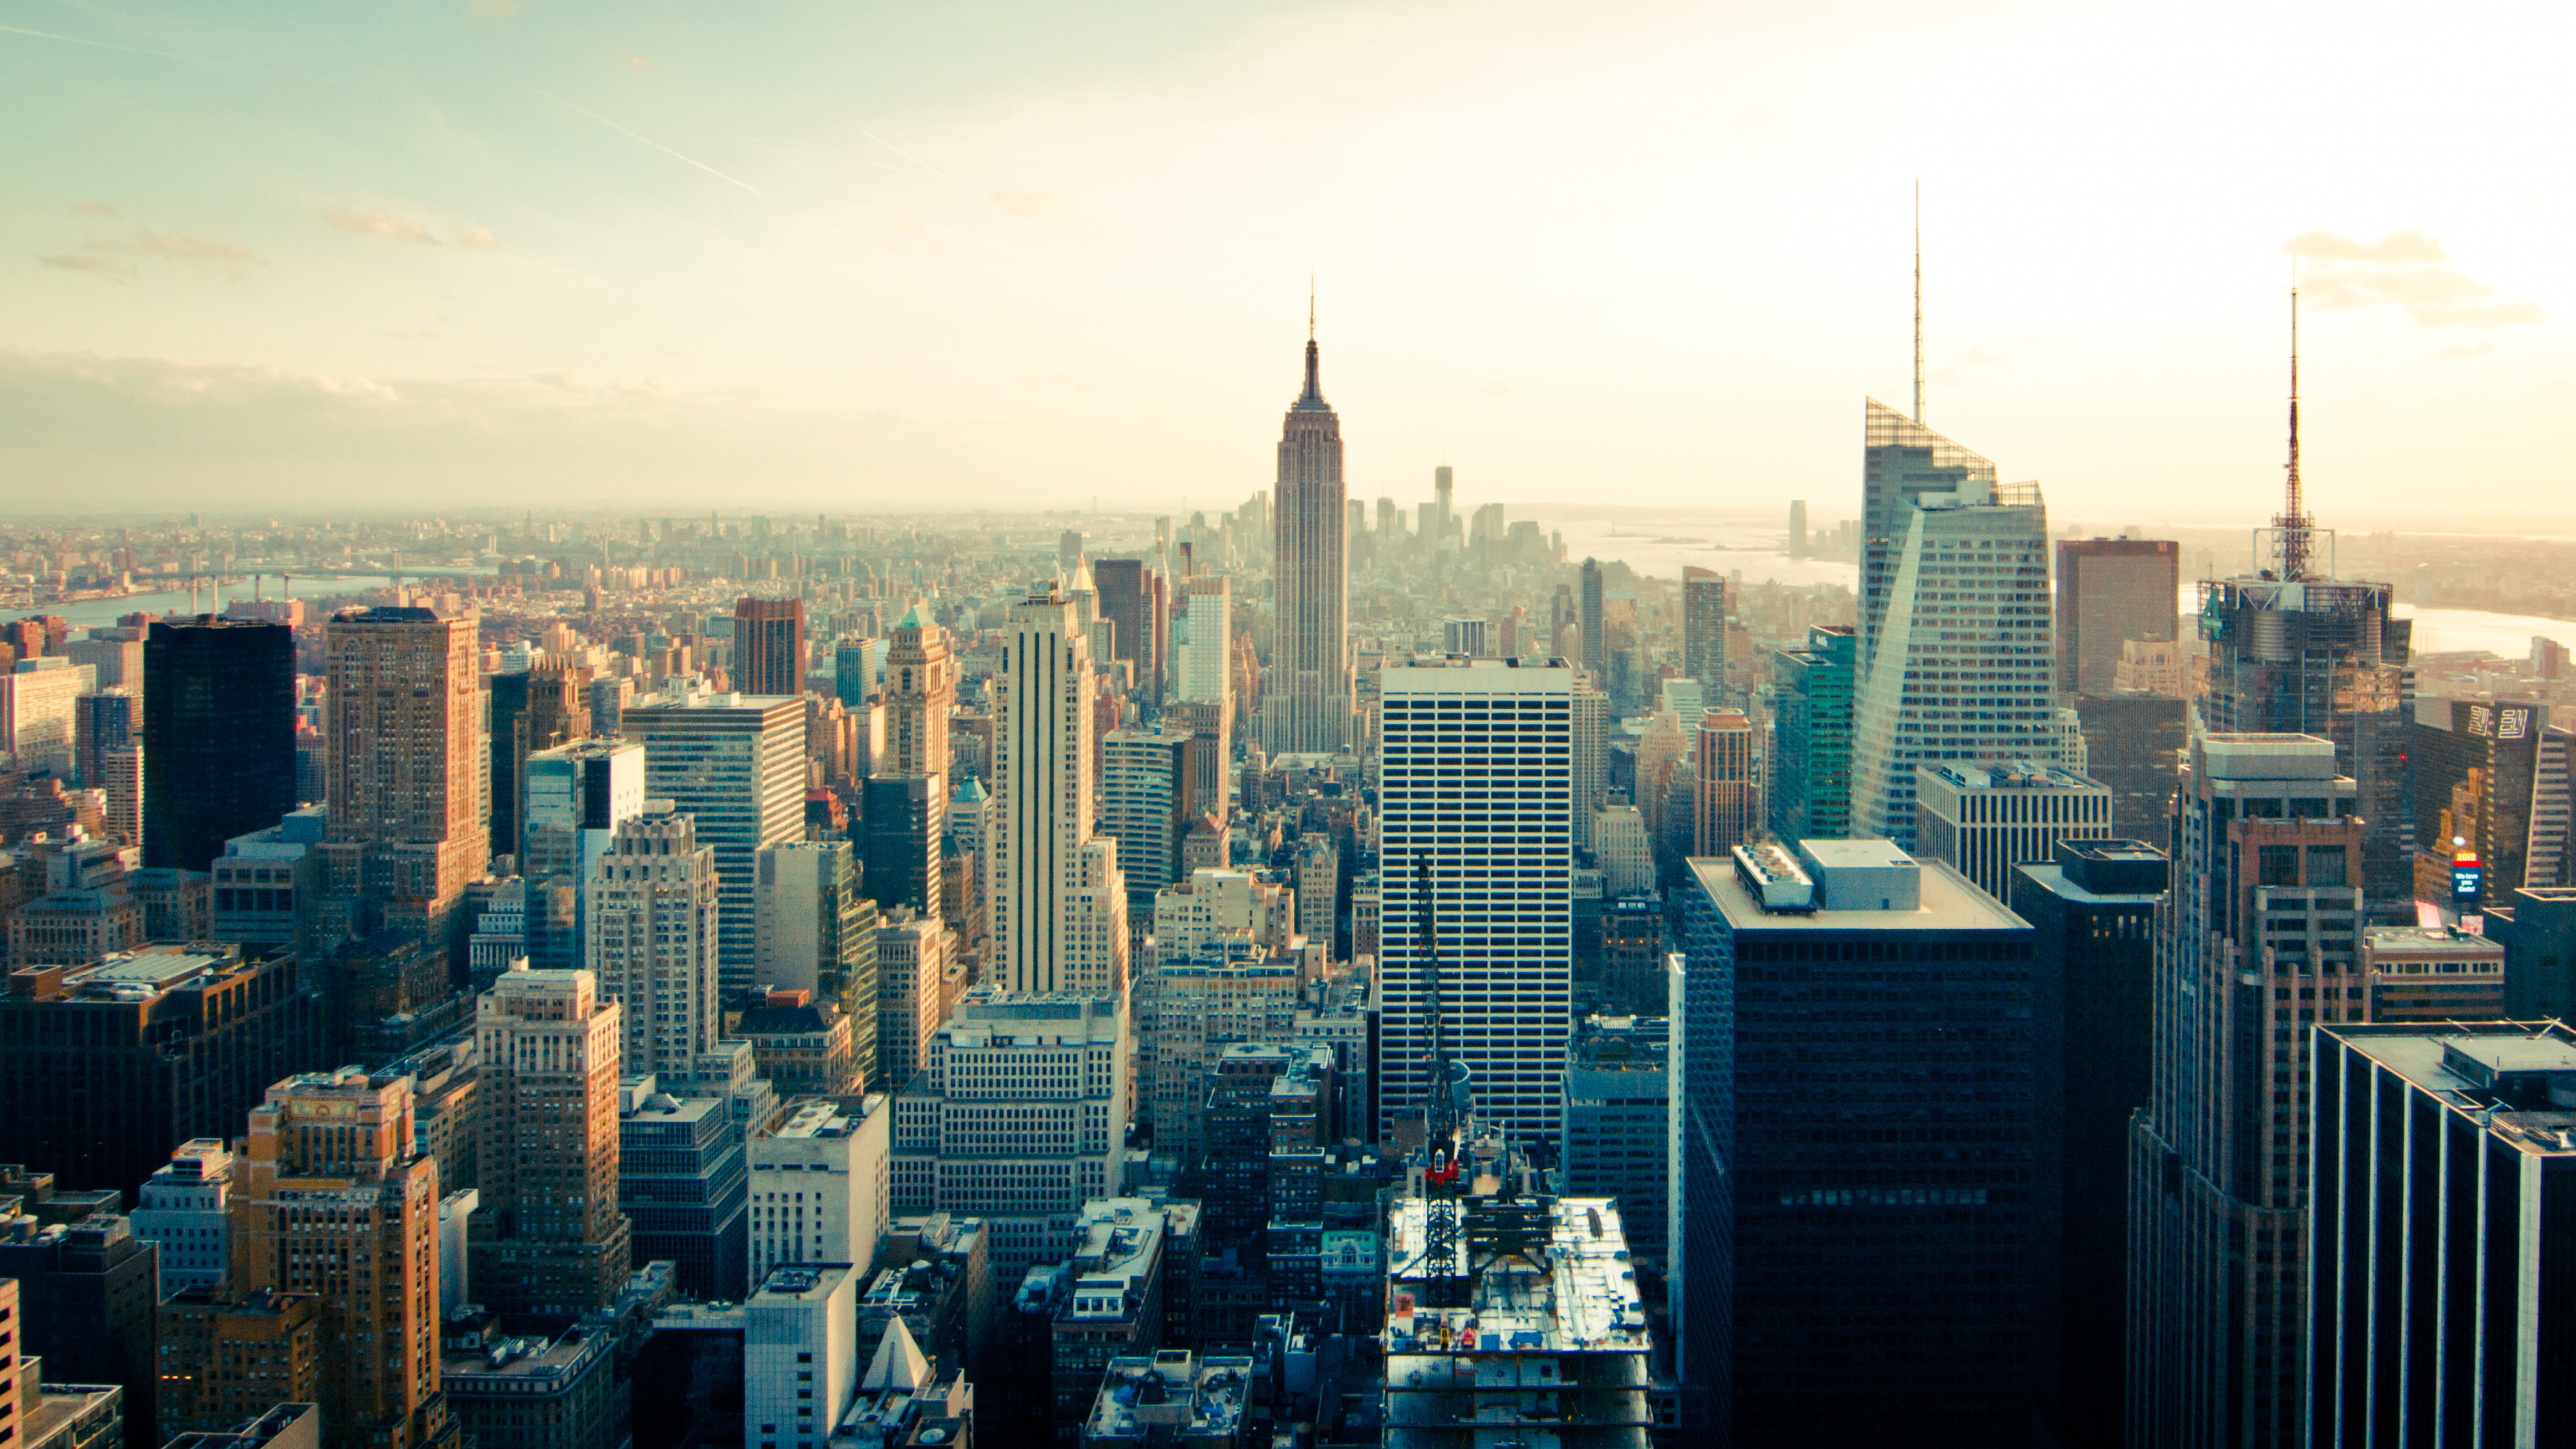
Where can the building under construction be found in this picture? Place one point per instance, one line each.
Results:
(1531, 1331)
(1512, 1317)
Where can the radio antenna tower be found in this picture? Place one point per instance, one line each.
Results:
(1918, 300)
(2294, 523)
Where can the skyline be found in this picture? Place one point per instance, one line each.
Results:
(815, 260)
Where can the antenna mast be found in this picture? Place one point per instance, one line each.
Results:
(2294, 523)
(1918, 301)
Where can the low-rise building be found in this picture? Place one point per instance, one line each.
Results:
(186, 1205)
(2432, 974)
(529, 1392)
(1173, 1398)
(818, 1182)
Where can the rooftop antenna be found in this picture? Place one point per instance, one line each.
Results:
(1310, 306)
(1918, 299)
(2294, 523)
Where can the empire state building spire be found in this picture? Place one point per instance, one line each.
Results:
(1308, 708)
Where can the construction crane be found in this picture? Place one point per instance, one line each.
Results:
(1446, 1112)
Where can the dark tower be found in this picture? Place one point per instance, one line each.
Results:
(769, 646)
(218, 735)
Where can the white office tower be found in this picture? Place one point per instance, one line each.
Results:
(650, 905)
(1148, 801)
(1019, 1117)
(1965, 666)
(1319, 871)
(1477, 783)
(912, 965)
(1202, 656)
(578, 792)
(186, 1205)
(1059, 903)
(800, 1360)
(818, 1182)
(736, 762)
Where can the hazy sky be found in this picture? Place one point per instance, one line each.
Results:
(889, 255)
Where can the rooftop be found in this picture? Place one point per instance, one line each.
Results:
(1948, 901)
(2516, 1079)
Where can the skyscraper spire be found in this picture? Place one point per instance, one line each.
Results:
(1918, 300)
(1314, 393)
(2294, 523)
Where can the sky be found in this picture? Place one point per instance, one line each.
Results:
(875, 256)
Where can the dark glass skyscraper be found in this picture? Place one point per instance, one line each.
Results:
(1704, 633)
(218, 735)
(1596, 630)
(1859, 1158)
(2094, 908)
(1811, 736)
(1131, 599)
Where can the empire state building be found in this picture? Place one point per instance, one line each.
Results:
(1308, 708)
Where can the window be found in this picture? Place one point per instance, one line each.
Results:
(2325, 865)
(2278, 865)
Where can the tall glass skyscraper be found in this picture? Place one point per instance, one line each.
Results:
(1957, 658)
(218, 735)
(1812, 736)
(736, 764)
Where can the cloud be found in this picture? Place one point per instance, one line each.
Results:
(2402, 269)
(478, 238)
(2397, 246)
(631, 58)
(171, 246)
(93, 208)
(2465, 351)
(376, 223)
(494, 8)
(83, 262)
(2482, 318)
(1032, 205)
(1496, 389)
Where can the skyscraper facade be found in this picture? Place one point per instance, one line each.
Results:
(336, 1199)
(1961, 667)
(1148, 801)
(1704, 630)
(1477, 785)
(1811, 736)
(1308, 706)
(218, 734)
(2443, 1177)
(769, 646)
(735, 764)
(1594, 626)
(652, 913)
(2259, 944)
(1726, 801)
(1058, 900)
(407, 750)
(921, 692)
(900, 839)
(818, 933)
(1132, 600)
(548, 1236)
(1902, 460)
(1797, 528)
(1855, 1249)
(1984, 820)
(2092, 908)
(1199, 673)
(2110, 591)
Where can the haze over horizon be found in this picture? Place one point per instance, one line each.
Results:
(1007, 256)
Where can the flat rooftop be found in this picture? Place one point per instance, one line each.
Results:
(1949, 902)
(2503, 1074)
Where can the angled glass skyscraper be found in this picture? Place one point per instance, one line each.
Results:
(1957, 649)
